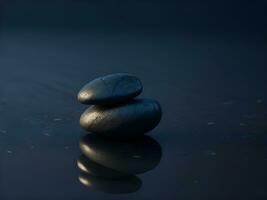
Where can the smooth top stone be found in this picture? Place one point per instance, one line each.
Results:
(110, 89)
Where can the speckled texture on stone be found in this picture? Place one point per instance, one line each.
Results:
(126, 156)
(110, 89)
(131, 119)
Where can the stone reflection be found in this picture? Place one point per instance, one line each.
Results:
(112, 165)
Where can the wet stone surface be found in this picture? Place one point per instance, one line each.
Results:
(110, 89)
(125, 120)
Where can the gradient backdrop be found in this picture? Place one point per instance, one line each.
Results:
(205, 61)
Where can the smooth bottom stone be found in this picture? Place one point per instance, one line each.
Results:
(125, 185)
(130, 157)
(126, 120)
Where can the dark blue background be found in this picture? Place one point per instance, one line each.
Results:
(205, 61)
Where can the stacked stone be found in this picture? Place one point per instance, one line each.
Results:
(108, 164)
(115, 112)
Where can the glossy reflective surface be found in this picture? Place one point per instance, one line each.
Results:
(111, 165)
(133, 156)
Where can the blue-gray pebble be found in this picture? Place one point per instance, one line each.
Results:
(131, 119)
(110, 89)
